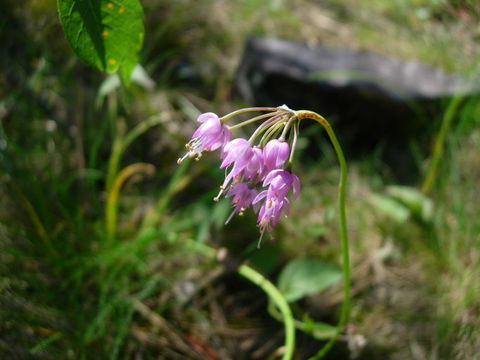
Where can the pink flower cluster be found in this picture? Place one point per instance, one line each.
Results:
(255, 175)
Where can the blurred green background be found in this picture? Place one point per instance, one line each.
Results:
(86, 275)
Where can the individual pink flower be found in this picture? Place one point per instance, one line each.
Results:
(237, 152)
(242, 198)
(275, 154)
(280, 182)
(270, 212)
(276, 203)
(255, 164)
(209, 136)
(246, 161)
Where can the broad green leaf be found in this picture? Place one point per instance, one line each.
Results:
(419, 204)
(105, 34)
(390, 207)
(302, 277)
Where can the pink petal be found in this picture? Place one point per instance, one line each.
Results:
(207, 116)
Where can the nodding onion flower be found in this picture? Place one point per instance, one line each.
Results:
(258, 170)
(211, 135)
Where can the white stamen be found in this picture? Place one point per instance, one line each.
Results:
(260, 239)
(230, 217)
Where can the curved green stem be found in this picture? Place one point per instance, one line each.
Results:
(113, 192)
(304, 114)
(279, 300)
(275, 295)
(326, 332)
(264, 126)
(244, 110)
(272, 131)
(252, 120)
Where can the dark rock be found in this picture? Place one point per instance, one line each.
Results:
(371, 99)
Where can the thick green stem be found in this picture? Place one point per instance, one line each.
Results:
(303, 114)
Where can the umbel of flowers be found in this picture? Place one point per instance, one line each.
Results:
(258, 169)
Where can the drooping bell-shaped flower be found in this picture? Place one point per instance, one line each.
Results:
(276, 203)
(255, 164)
(209, 136)
(243, 196)
(280, 182)
(275, 154)
(237, 152)
(271, 210)
(246, 161)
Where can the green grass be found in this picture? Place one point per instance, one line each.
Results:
(85, 274)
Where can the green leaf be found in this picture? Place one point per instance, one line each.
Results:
(319, 330)
(105, 34)
(126, 70)
(302, 277)
(420, 205)
(390, 207)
